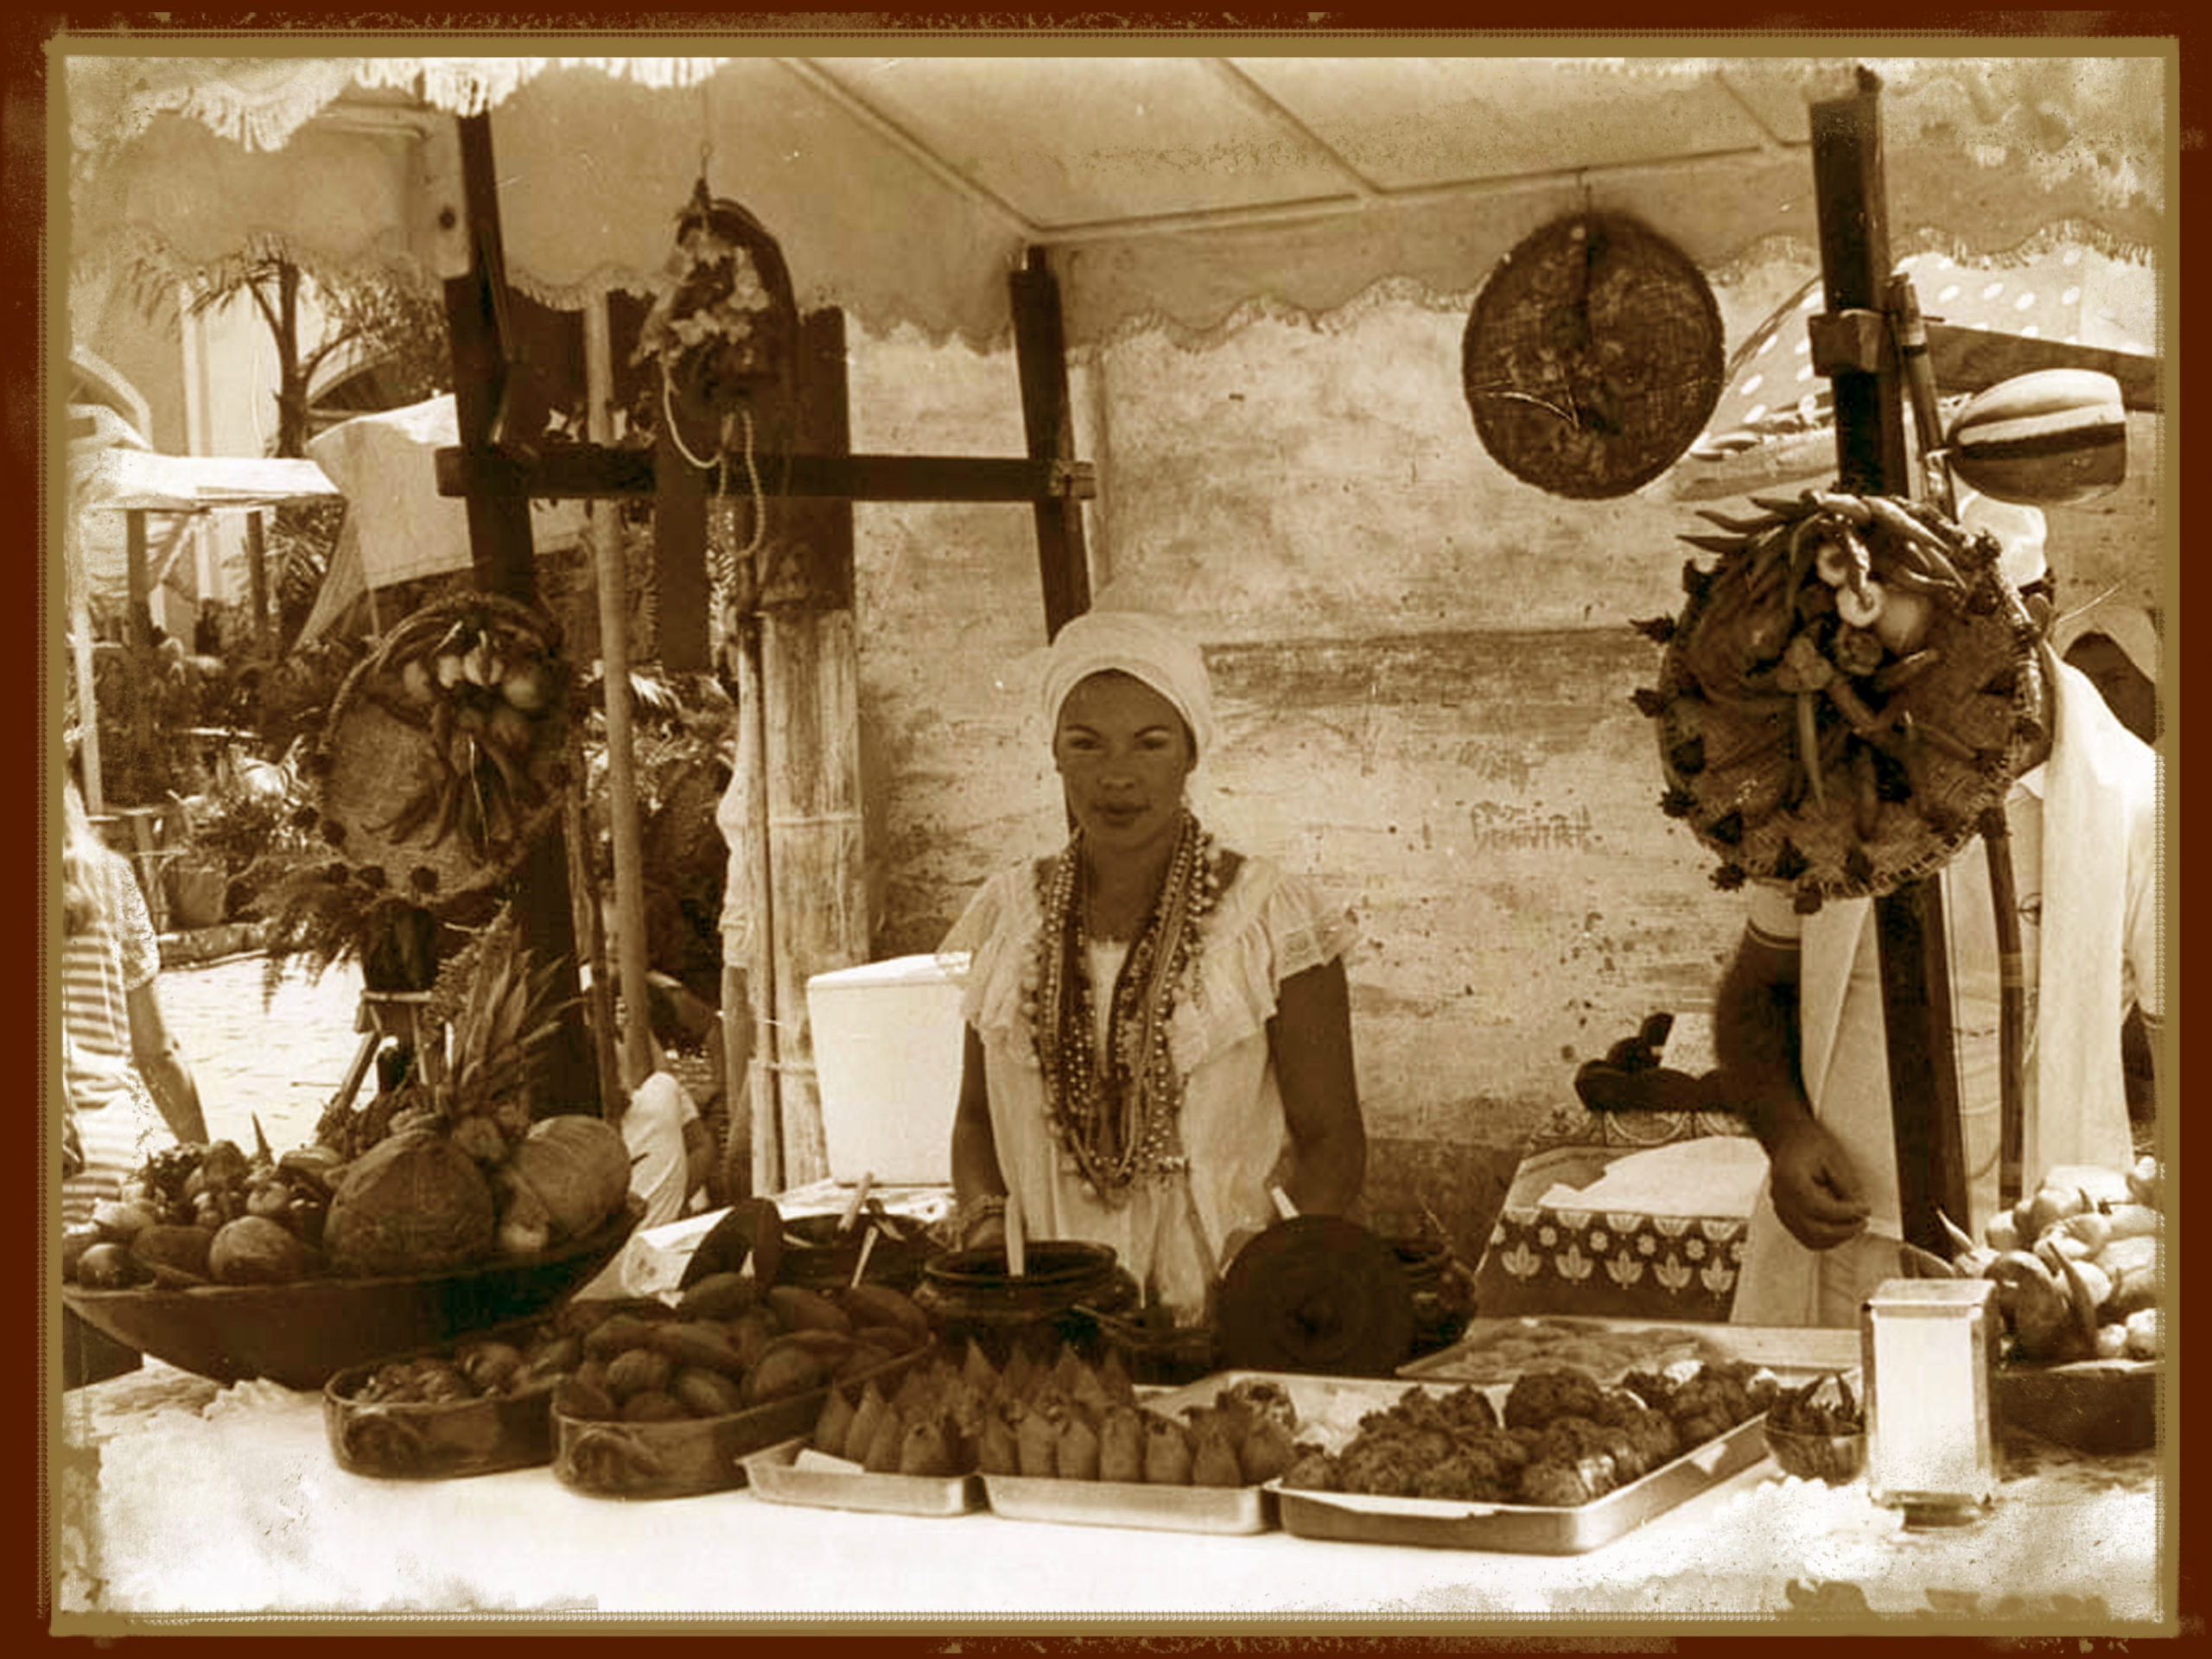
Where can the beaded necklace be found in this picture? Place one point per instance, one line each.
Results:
(1119, 1120)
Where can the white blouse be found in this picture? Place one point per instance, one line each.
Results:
(1267, 925)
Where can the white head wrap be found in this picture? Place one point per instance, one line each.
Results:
(2018, 530)
(1139, 644)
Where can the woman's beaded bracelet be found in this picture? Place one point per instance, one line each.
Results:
(976, 1209)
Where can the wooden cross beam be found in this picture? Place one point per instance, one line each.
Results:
(596, 472)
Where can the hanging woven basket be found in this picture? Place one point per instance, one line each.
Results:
(724, 331)
(1848, 690)
(1592, 357)
(445, 752)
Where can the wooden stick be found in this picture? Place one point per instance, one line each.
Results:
(1017, 1250)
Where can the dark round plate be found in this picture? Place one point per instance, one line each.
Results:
(1317, 1294)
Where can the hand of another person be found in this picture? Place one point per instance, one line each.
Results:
(1818, 1194)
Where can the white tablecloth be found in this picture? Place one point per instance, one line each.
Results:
(227, 1501)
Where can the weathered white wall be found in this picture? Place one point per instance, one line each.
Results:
(1424, 668)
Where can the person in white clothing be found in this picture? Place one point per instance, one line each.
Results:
(1158, 1028)
(1798, 1024)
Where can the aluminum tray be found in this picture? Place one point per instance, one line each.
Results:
(1495, 1351)
(1519, 1529)
(776, 1474)
(1171, 1509)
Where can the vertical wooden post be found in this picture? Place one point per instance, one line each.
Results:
(137, 652)
(564, 1077)
(1871, 459)
(1040, 359)
(603, 534)
(682, 589)
(817, 907)
(257, 564)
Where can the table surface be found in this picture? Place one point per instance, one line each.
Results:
(175, 1496)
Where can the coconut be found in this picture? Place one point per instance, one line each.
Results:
(578, 1167)
(414, 1203)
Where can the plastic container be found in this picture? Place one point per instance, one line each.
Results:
(887, 1040)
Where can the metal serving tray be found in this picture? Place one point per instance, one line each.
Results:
(1172, 1509)
(1520, 1529)
(789, 1473)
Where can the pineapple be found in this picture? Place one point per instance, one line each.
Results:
(501, 1021)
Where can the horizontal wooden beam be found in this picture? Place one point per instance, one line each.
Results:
(1972, 359)
(591, 472)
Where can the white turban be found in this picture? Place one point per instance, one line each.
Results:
(2018, 530)
(1144, 646)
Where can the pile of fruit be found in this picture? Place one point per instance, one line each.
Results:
(729, 1345)
(2078, 1264)
(197, 1215)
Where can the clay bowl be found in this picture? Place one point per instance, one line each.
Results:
(1835, 1459)
(302, 1334)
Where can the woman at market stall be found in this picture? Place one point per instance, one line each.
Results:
(1158, 1027)
(124, 1073)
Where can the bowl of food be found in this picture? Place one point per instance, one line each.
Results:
(1818, 1432)
(303, 1333)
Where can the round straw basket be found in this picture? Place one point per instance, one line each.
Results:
(1804, 751)
(445, 751)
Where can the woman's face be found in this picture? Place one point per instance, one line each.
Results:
(1123, 754)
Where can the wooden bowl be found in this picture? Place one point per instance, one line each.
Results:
(302, 1334)
(2103, 1407)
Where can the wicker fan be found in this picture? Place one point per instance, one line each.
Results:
(1848, 690)
(1592, 357)
(444, 753)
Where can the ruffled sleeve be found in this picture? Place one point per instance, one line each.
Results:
(988, 953)
(1268, 926)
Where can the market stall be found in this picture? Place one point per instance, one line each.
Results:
(2069, 1538)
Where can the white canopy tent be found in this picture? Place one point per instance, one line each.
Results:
(1174, 191)
(117, 485)
(398, 527)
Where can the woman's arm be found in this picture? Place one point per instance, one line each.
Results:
(975, 1173)
(161, 1061)
(1310, 1039)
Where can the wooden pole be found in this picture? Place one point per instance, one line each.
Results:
(810, 762)
(818, 909)
(138, 651)
(604, 533)
(1040, 358)
(1871, 459)
(257, 564)
(767, 1116)
(564, 1075)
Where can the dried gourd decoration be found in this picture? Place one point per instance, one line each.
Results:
(1850, 686)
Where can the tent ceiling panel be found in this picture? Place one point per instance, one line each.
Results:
(904, 188)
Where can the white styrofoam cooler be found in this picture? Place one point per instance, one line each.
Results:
(888, 1038)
